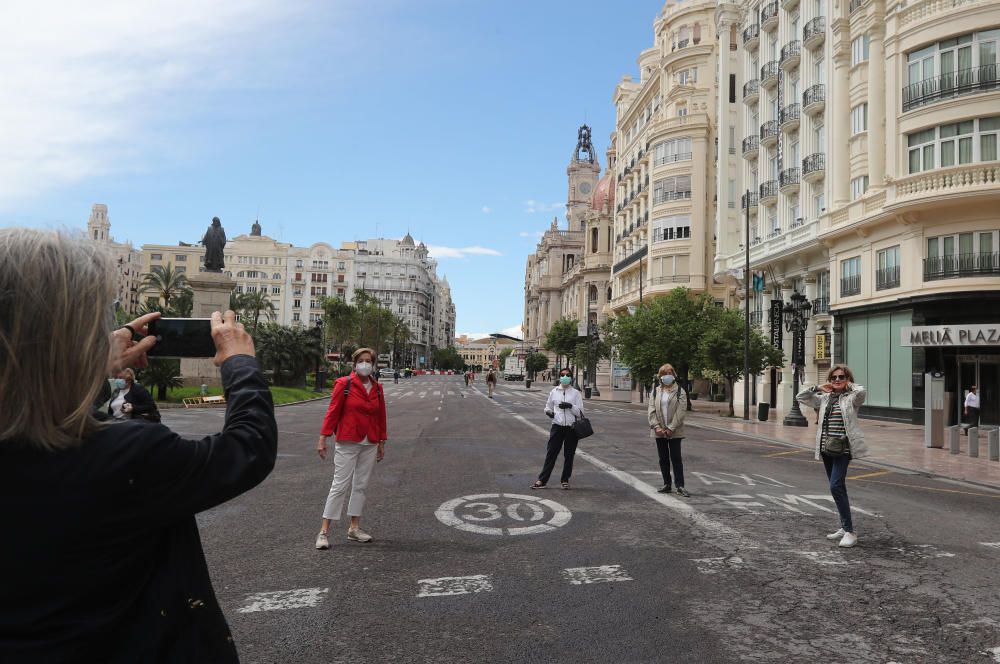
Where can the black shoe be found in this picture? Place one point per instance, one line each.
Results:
(664, 489)
(684, 492)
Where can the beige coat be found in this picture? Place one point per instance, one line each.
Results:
(677, 410)
(850, 404)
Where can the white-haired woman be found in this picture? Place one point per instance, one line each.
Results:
(121, 577)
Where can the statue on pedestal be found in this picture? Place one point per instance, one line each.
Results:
(215, 245)
(255, 229)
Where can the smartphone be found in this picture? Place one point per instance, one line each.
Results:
(182, 337)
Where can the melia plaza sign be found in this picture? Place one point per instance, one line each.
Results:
(950, 335)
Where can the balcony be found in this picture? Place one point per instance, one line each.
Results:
(768, 192)
(789, 5)
(751, 36)
(669, 196)
(814, 32)
(814, 99)
(625, 262)
(788, 179)
(887, 277)
(750, 146)
(961, 265)
(751, 91)
(791, 53)
(850, 285)
(966, 180)
(769, 16)
(821, 306)
(952, 84)
(814, 167)
(788, 117)
(855, 5)
(769, 74)
(769, 133)
(751, 198)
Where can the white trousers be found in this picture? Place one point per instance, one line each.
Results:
(352, 463)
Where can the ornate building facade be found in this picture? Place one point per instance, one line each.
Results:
(127, 259)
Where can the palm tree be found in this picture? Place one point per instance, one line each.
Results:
(166, 282)
(162, 374)
(252, 304)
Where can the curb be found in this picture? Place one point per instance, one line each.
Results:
(868, 460)
(295, 403)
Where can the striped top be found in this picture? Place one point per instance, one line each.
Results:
(835, 419)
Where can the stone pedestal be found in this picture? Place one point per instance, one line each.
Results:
(211, 294)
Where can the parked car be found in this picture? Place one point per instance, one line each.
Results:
(386, 372)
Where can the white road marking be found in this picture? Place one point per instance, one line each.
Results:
(922, 551)
(854, 508)
(717, 565)
(447, 586)
(439, 407)
(423, 394)
(280, 600)
(823, 557)
(436, 419)
(746, 500)
(995, 545)
(995, 652)
(579, 576)
(437, 393)
(468, 512)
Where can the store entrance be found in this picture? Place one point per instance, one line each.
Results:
(984, 372)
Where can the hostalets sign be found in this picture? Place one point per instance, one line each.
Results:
(950, 335)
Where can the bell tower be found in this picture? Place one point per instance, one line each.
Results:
(98, 226)
(583, 173)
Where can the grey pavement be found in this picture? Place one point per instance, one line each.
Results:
(470, 565)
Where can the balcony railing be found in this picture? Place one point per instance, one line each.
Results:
(788, 177)
(769, 13)
(814, 94)
(750, 145)
(887, 277)
(769, 73)
(951, 84)
(751, 88)
(855, 5)
(751, 33)
(789, 114)
(850, 285)
(768, 189)
(768, 130)
(961, 265)
(625, 262)
(814, 163)
(671, 279)
(671, 158)
(814, 31)
(790, 53)
(749, 197)
(821, 305)
(666, 196)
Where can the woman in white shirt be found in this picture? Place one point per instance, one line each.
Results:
(564, 406)
(666, 412)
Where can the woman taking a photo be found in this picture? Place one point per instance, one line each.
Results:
(122, 578)
(131, 400)
(357, 417)
(666, 412)
(838, 438)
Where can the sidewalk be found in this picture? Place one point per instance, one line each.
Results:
(891, 444)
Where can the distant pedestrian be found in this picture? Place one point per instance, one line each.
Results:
(131, 400)
(357, 418)
(467, 374)
(564, 406)
(491, 381)
(972, 407)
(665, 412)
(395, 377)
(838, 438)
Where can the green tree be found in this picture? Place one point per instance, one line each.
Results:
(183, 304)
(252, 305)
(288, 352)
(448, 359)
(162, 374)
(589, 351)
(536, 362)
(340, 324)
(504, 354)
(165, 282)
(720, 350)
(562, 339)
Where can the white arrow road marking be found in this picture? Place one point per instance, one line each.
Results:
(455, 585)
(280, 600)
(579, 576)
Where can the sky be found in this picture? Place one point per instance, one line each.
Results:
(329, 120)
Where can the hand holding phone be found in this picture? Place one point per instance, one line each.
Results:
(182, 337)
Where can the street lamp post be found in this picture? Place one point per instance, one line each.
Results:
(746, 309)
(592, 368)
(796, 317)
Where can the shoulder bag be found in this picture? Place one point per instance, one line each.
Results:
(582, 428)
(833, 446)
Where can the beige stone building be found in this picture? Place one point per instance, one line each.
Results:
(480, 354)
(869, 150)
(127, 259)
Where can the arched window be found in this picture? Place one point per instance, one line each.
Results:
(593, 240)
(593, 293)
(276, 276)
(684, 37)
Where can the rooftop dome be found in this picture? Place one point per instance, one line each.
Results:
(604, 193)
(407, 240)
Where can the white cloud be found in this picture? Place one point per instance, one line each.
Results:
(531, 206)
(93, 88)
(534, 234)
(487, 209)
(512, 331)
(439, 252)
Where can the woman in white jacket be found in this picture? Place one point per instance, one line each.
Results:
(838, 401)
(565, 407)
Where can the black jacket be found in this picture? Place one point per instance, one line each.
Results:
(101, 559)
(140, 399)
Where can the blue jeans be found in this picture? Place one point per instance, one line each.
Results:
(836, 472)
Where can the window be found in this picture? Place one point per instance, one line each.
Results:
(296, 304)
(296, 317)
(887, 275)
(732, 88)
(672, 188)
(675, 149)
(674, 227)
(819, 199)
(682, 111)
(850, 276)
(958, 146)
(180, 269)
(180, 258)
(859, 50)
(859, 186)
(859, 118)
(275, 290)
(298, 263)
(953, 144)
(593, 240)
(340, 278)
(156, 257)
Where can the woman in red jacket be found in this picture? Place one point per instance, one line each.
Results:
(357, 416)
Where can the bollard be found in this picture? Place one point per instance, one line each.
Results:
(994, 444)
(953, 439)
(974, 442)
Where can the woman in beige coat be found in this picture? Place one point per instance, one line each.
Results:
(666, 411)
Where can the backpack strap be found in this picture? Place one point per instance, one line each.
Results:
(347, 388)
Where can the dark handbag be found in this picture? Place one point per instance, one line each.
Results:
(582, 428)
(834, 446)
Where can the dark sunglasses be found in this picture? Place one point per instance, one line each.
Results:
(838, 377)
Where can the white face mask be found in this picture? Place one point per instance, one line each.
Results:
(363, 368)
(667, 379)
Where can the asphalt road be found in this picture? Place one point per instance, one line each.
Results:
(470, 565)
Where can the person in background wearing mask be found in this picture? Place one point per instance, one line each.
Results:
(666, 412)
(564, 406)
(130, 399)
(357, 416)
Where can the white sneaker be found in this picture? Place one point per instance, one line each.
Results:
(322, 542)
(358, 535)
(837, 535)
(850, 539)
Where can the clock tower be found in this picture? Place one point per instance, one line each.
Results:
(583, 172)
